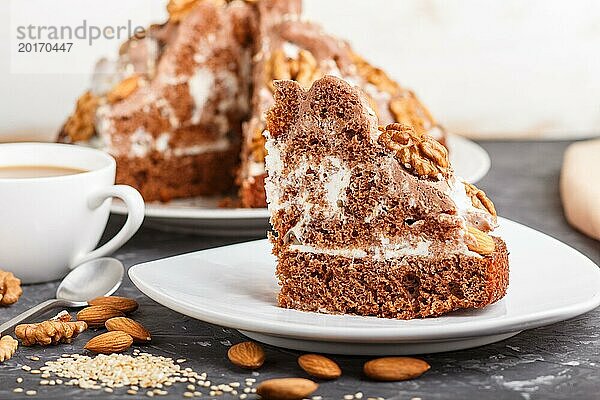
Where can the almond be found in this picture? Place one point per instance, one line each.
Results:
(123, 304)
(247, 355)
(109, 342)
(395, 368)
(319, 366)
(98, 315)
(480, 242)
(129, 326)
(286, 388)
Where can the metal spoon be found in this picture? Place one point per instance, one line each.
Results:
(95, 278)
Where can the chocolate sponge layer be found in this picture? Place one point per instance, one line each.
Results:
(407, 288)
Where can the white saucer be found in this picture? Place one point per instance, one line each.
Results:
(203, 216)
(235, 286)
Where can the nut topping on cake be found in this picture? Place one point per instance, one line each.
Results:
(408, 110)
(257, 146)
(479, 199)
(480, 242)
(80, 125)
(303, 69)
(374, 75)
(123, 89)
(179, 8)
(419, 154)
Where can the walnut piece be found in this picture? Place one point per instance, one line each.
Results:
(407, 109)
(80, 126)
(304, 69)
(479, 199)
(123, 89)
(257, 146)
(421, 155)
(8, 347)
(374, 75)
(10, 288)
(59, 329)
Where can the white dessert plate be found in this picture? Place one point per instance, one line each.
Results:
(203, 216)
(235, 286)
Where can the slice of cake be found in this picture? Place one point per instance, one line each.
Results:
(170, 108)
(303, 52)
(371, 220)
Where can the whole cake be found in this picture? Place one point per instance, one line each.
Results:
(371, 220)
(182, 108)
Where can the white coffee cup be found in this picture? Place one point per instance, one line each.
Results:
(49, 225)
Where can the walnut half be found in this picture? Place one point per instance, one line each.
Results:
(479, 199)
(303, 69)
(81, 124)
(421, 155)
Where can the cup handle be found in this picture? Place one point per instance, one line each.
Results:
(135, 216)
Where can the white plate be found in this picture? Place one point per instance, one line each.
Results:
(235, 286)
(203, 216)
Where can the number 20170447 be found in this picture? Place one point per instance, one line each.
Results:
(44, 47)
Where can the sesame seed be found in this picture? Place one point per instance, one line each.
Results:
(18, 390)
(44, 382)
(35, 371)
(19, 380)
(150, 393)
(191, 387)
(188, 394)
(26, 368)
(197, 394)
(31, 392)
(131, 391)
(34, 358)
(348, 396)
(181, 360)
(358, 395)
(243, 396)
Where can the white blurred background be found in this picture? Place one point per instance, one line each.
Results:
(485, 68)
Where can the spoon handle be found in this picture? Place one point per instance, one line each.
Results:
(35, 311)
